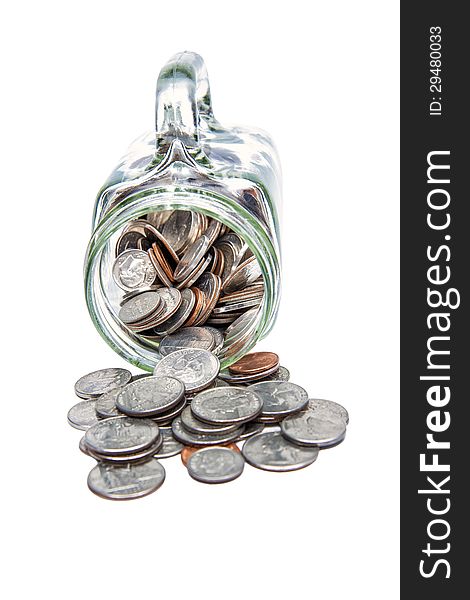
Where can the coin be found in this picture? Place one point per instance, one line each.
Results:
(191, 258)
(127, 241)
(127, 481)
(210, 285)
(188, 337)
(202, 439)
(311, 428)
(226, 405)
(195, 273)
(140, 307)
(255, 363)
(83, 415)
(99, 382)
(190, 450)
(282, 374)
(244, 275)
(158, 262)
(172, 299)
(251, 429)
(188, 299)
(215, 465)
(170, 447)
(196, 368)
(133, 269)
(140, 376)
(150, 396)
(83, 447)
(152, 234)
(144, 454)
(105, 405)
(167, 417)
(193, 425)
(121, 435)
(218, 338)
(272, 452)
(280, 398)
(240, 379)
(157, 219)
(180, 229)
(328, 409)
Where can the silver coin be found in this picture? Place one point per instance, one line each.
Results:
(128, 458)
(191, 258)
(179, 228)
(105, 405)
(218, 338)
(193, 425)
(215, 465)
(282, 374)
(272, 452)
(168, 416)
(140, 376)
(188, 337)
(127, 241)
(171, 298)
(83, 447)
(241, 325)
(150, 396)
(121, 435)
(99, 382)
(133, 269)
(83, 415)
(188, 299)
(170, 447)
(158, 219)
(268, 420)
(140, 307)
(328, 409)
(251, 429)
(220, 383)
(226, 405)
(196, 368)
(309, 428)
(202, 439)
(127, 481)
(244, 275)
(280, 398)
(195, 273)
(236, 306)
(229, 255)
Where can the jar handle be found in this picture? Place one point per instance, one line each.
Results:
(183, 98)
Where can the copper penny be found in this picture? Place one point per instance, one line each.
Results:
(188, 451)
(256, 362)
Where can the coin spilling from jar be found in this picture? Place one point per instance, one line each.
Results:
(179, 269)
(189, 406)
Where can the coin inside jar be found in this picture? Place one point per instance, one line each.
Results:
(185, 250)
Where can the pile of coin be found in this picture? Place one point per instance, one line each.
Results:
(178, 268)
(132, 422)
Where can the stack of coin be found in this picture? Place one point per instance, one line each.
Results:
(180, 269)
(124, 418)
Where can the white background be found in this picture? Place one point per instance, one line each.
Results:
(79, 83)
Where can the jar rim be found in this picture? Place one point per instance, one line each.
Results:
(214, 205)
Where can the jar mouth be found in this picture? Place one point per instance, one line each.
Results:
(97, 269)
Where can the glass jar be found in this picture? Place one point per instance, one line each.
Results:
(191, 163)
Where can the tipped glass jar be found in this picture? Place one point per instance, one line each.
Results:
(185, 230)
